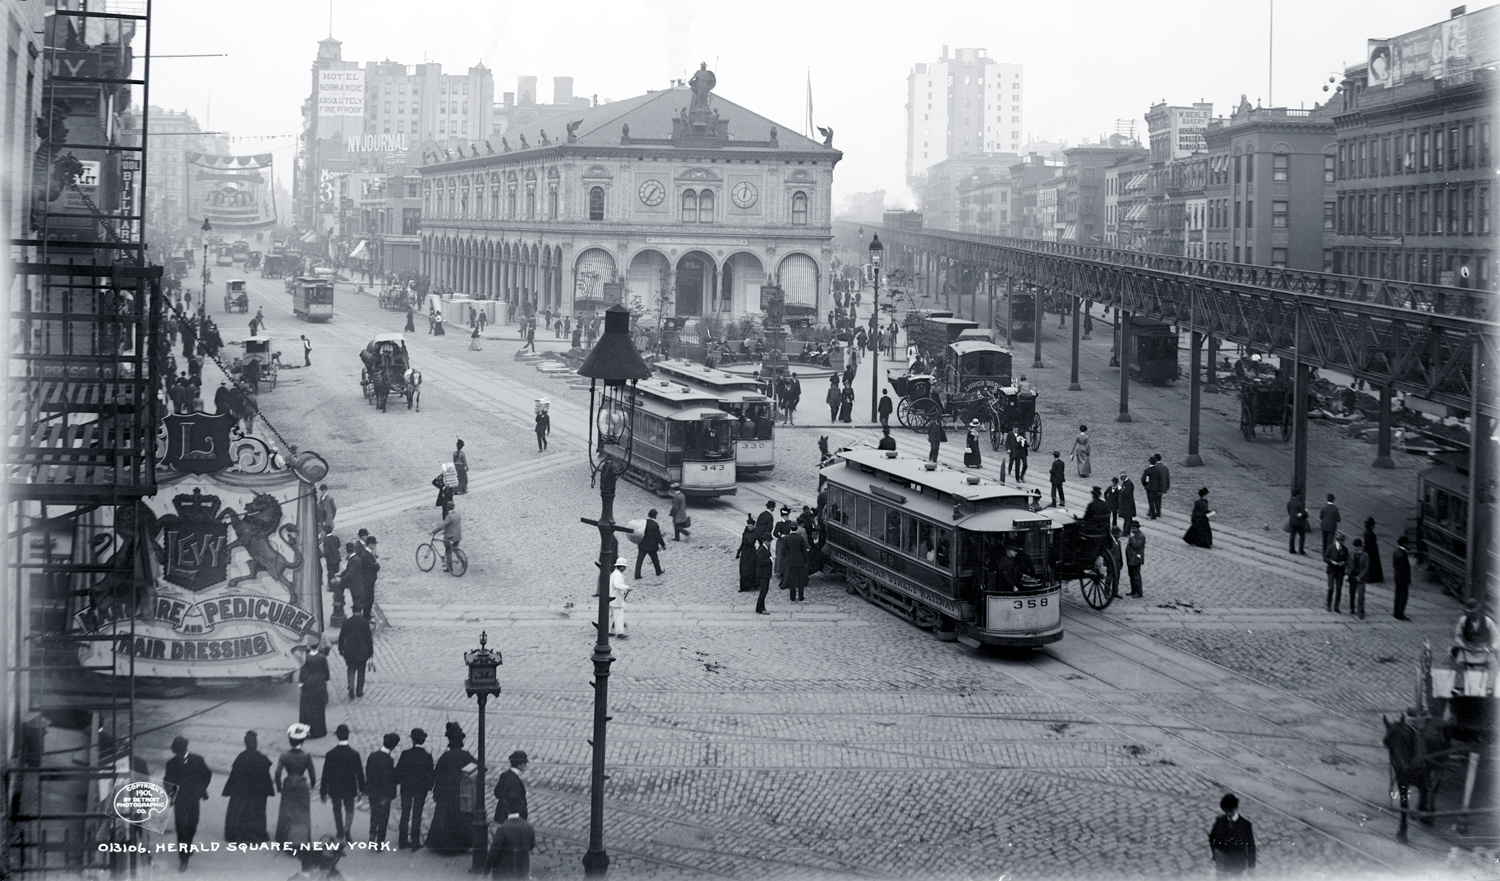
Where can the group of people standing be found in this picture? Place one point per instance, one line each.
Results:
(794, 558)
(1354, 567)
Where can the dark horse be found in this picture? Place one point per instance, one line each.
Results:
(1417, 755)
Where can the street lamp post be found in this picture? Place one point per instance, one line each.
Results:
(614, 361)
(876, 249)
(203, 298)
(483, 683)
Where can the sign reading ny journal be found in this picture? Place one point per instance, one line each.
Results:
(341, 93)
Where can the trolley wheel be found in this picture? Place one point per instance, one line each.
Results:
(426, 557)
(924, 617)
(924, 412)
(460, 563)
(1095, 584)
(1247, 420)
(1035, 431)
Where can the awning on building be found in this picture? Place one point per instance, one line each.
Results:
(1070, 232)
(360, 252)
(1136, 212)
(1138, 181)
(308, 238)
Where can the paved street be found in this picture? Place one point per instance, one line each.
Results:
(831, 739)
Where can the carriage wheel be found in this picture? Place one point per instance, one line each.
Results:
(1095, 581)
(1247, 420)
(925, 411)
(1035, 431)
(997, 435)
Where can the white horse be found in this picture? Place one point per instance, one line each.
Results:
(413, 379)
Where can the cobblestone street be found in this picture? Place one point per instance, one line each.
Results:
(831, 739)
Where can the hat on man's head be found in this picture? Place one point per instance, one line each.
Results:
(391, 740)
(341, 732)
(518, 758)
(676, 486)
(622, 563)
(418, 736)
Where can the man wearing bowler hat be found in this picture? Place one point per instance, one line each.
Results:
(510, 788)
(414, 776)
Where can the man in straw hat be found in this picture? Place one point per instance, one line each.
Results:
(618, 592)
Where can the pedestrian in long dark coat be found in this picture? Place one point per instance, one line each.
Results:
(380, 785)
(1401, 571)
(833, 398)
(510, 852)
(357, 646)
(314, 677)
(746, 555)
(794, 566)
(450, 831)
(190, 774)
(1199, 533)
(248, 787)
(651, 545)
(343, 781)
(764, 568)
(846, 403)
(510, 788)
(1232, 840)
(972, 457)
(1127, 499)
(936, 437)
(1376, 572)
(411, 321)
(414, 775)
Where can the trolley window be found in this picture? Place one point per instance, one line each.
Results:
(708, 439)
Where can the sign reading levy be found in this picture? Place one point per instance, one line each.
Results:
(226, 592)
(341, 93)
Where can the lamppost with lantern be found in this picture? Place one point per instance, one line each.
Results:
(483, 683)
(615, 362)
(876, 249)
(203, 299)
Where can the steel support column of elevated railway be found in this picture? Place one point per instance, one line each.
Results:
(1122, 321)
(1073, 306)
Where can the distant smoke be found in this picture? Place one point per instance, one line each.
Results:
(679, 16)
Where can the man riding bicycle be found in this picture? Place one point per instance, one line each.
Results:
(452, 529)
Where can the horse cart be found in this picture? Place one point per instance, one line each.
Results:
(1266, 404)
(259, 366)
(236, 297)
(274, 266)
(396, 298)
(1452, 731)
(387, 371)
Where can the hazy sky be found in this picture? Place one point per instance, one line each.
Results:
(1087, 63)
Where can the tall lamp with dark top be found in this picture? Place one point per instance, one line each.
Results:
(876, 249)
(483, 683)
(206, 229)
(614, 362)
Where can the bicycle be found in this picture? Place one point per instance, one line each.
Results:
(429, 553)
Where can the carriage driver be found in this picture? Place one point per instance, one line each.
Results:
(1474, 639)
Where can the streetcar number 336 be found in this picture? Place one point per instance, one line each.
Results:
(1029, 604)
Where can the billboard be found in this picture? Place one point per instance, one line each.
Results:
(341, 93)
(1447, 49)
(1189, 125)
(232, 191)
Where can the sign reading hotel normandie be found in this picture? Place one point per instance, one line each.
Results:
(341, 93)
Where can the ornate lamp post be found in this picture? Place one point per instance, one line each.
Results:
(615, 362)
(876, 249)
(203, 300)
(483, 683)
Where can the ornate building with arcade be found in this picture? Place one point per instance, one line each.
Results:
(677, 198)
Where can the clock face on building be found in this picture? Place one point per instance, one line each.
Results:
(744, 194)
(652, 192)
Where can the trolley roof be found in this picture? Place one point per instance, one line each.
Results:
(726, 386)
(676, 393)
(968, 347)
(1447, 478)
(692, 413)
(987, 506)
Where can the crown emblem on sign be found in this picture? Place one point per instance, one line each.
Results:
(197, 508)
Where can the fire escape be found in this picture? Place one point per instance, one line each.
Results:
(85, 366)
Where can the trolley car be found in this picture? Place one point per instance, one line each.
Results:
(1022, 315)
(1442, 521)
(1151, 354)
(740, 397)
(957, 554)
(680, 436)
(312, 299)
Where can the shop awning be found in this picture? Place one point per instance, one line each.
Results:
(1136, 212)
(308, 238)
(1070, 233)
(360, 252)
(1138, 181)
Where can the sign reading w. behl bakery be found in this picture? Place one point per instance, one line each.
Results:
(221, 588)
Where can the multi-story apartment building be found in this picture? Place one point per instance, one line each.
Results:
(939, 189)
(357, 115)
(1415, 173)
(1132, 200)
(1270, 187)
(1049, 194)
(960, 105)
(173, 134)
(984, 204)
(1082, 209)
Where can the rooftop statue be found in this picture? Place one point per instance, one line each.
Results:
(702, 83)
(573, 130)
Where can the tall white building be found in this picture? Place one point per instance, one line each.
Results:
(962, 104)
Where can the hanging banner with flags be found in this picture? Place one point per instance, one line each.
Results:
(230, 191)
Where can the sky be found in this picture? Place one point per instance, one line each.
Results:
(1087, 63)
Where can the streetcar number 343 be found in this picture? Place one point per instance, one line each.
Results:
(710, 467)
(1029, 604)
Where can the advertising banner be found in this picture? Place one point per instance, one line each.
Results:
(1448, 49)
(232, 191)
(1189, 126)
(341, 93)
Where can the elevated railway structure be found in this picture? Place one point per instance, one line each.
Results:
(1434, 342)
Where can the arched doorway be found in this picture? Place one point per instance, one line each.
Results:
(798, 276)
(593, 269)
(743, 276)
(697, 279)
(645, 279)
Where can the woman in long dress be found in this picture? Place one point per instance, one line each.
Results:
(450, 830)
(1080, 454)
(746, 555)
(1376, 574)
(972, 458)
(295, 779)
(846, 403)
(474, 340)
(248, 787)
(411, 321)
(437, 326)
(1200, 534)
(314, 677)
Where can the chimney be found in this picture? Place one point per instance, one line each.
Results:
(525, 90)
(945, 53)
(562, 90)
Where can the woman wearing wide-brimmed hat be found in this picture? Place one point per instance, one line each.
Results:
(295, 779)
(972, 459)
(450, 832)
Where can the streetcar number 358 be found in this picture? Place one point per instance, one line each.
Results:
(1029, 604)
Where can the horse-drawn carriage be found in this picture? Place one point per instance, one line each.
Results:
(236, 297)
(259, 366)
(1266, 403)
(387, 371)
(273, 266)
(396, 298)
(971, 381)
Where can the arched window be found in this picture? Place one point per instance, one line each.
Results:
(510, 204)
(495, 203)
(552, 202)
(596, 203)
(706, 206)
(530, 202)
(799, 209)
(689, 207)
